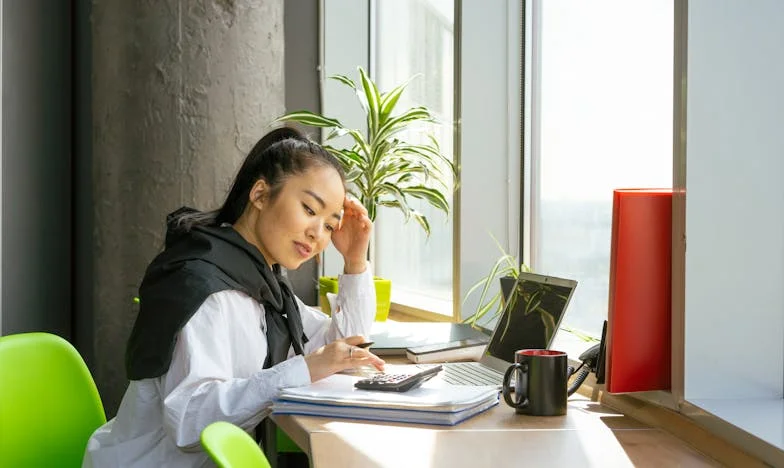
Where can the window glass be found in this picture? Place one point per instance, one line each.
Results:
(605, 122)
(415, 37)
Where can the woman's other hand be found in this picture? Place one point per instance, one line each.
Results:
(340, 355)
(352, 237)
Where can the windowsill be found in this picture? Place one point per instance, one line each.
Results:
(413, 301)
(403, 313)
(761, 418)
(734, 432)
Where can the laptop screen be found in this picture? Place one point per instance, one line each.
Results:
(535, 305)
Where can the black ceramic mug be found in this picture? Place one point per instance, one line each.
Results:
(540, 382)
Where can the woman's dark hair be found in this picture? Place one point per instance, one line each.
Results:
(278, 155)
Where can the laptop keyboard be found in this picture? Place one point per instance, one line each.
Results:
(468, 373)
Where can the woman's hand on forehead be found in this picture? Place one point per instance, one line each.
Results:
(352, 237)
(352, 207)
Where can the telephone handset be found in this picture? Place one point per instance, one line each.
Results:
(592, 361)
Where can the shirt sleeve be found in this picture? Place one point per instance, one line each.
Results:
(202, 385)
(353, 312)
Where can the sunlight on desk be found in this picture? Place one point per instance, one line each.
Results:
(589, 435)
(354, 437)
(496, 438)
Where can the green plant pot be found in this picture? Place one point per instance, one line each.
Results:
(329, 284)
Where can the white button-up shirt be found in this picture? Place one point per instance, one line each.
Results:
(216, 375)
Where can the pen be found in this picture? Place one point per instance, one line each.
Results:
(365, 344)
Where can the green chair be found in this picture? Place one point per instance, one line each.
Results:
(231, 447)
(49, 405)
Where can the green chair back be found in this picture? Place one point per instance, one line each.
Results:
(231, 447)
(49, 405)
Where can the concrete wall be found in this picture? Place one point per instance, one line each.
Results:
(115, 113)
(180, 93)
(36, 161)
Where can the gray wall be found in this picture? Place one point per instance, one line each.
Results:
(36, 162)
(150, 120)
(82, 194)
(180, 93)
(90, 165)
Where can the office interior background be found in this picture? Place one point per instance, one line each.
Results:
(115, 113)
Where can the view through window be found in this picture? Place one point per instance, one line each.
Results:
(415, 37)
(605, 122)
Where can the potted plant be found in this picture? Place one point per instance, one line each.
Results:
(383, 168)
(506, 270)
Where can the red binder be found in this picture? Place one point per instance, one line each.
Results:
(639, 318)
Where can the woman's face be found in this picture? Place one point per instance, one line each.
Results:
(298, 224)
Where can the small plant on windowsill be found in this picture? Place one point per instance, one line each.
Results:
(505, 272)
(383, 168)
(506, 266)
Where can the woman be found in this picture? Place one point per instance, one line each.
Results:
(219, 332)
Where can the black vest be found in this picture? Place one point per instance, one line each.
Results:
(194, 265)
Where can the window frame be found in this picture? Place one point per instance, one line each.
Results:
(465, 130)
(414, 304)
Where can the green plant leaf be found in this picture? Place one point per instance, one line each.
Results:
(370, 203)
(373, 101)
(399, 195)
(581, 335)
(483, 310)
(487, 282)
(398, 123)
(435, 197)
(309, 118)
(360, 142)
(381, 168)
(512, 303)
(505, 265)
(434, 153)
(429, 152)
(345, 80)
(549, 322)
(349, 159)
(336, 132)
(422, 220)
(389, 100)
(423, 159)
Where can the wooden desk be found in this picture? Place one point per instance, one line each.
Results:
(589, 435)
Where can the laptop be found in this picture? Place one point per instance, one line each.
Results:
(522, 325)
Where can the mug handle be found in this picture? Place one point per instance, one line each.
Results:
(521, 400)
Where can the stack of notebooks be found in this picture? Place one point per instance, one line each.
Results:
(434, 402)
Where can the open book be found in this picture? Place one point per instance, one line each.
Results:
(434, 402)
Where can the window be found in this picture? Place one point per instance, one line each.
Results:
(416, 37)
(603, 120)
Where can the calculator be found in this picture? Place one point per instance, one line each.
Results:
(397, 382)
